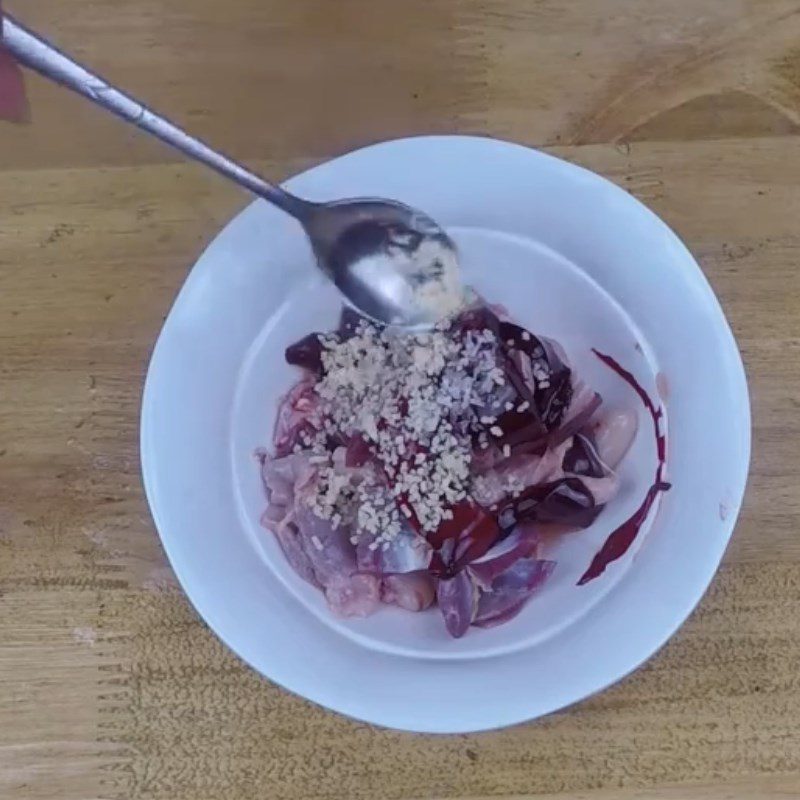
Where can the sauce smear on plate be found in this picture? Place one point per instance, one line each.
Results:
(618, 542)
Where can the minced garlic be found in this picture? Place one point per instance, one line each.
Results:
(416, 400)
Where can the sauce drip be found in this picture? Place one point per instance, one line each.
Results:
(618, 542)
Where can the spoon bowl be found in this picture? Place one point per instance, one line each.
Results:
(391, 262)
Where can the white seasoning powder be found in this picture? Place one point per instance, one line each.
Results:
(424, 279)
(438, 381)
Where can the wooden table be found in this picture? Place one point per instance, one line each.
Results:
(110, 686)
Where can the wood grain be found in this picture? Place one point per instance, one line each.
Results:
(110, 686)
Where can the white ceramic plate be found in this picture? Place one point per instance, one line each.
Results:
(573, 257)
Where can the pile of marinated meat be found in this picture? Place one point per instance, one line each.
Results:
(424, 469)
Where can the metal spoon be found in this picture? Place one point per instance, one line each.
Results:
(390, 261)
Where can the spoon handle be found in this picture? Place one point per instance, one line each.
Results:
(39, 55)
